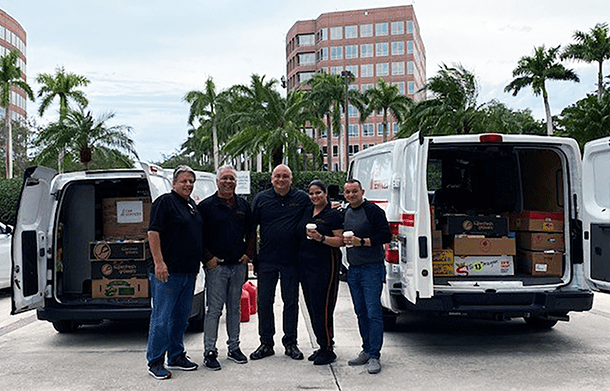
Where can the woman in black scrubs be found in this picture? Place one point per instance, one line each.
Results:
(319, 261)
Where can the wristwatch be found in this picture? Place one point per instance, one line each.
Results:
(362, 242)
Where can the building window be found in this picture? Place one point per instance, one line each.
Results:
(382, 49)
(336, 70)
(354, 70)
(323, 54)
(366, 50)
(409, 47)
(395, 127)
(336, 53)
(401, 87)
(366, 30)
(335, 150)
(367, 86)
(368, 129)
(366, 70)
(323, 34)
(411, 87)
(381, 29)
(351, 32)
(306, 40)
(307, 58)
(351, 51)
(353, 130)
(380, 129)
(410, 67)
(325, 150)
(352, 149)
(398, 68)
(409, 27)
(398, 28)
(352, 112)
(382, 69)
(398, 48)
(304, 76)
(336, 33)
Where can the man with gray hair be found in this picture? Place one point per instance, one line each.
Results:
(229, 239)
(174, 235)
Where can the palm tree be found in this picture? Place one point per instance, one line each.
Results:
(203, 109)
(592, 47)
(326, 93)
(10, 76)
(269, 123)
(80, 134)
(453, 107)
(534, 71)
(385, 98)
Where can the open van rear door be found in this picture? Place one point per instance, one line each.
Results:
(159, 179)
(596, 213)
(30, 242)
(415, 230)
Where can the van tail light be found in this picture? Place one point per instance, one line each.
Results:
(153, 169)
(407, 219)
(490, 138)
(394, 228)
(391, 252)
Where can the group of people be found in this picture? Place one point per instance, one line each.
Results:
(299, 239)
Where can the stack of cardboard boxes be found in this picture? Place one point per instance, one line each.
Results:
(540, 242)
(119, 262)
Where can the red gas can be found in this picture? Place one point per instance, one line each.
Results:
(251, 288)
(245, 306)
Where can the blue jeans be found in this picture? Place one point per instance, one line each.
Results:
(172, 303)
(223, 285)
(365, 284)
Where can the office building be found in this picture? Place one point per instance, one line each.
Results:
(13, 37)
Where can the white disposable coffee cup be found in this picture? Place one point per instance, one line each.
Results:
(348, 234)
(310, 227)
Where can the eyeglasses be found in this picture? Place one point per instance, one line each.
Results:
(192, 209)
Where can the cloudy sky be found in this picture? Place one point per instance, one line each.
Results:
(142, 56)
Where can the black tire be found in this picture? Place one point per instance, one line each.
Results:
(389, 320)
(540, 323)
(65, 326)
(196, 322)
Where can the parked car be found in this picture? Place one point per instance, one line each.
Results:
(5, 255)
(61, 218)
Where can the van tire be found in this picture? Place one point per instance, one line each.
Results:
(65, 326)
(196, 322)
(389, 320)
(540, 323)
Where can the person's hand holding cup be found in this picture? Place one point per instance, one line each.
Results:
(310, 227)
(347, 238)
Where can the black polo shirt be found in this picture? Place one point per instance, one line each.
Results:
(311, 251)
(180, 228)
(278, 218)
(228, 230)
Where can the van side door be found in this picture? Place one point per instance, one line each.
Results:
(31, 244)
(596, 213)
(415, 230)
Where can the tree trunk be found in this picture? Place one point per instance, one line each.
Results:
(329, 143)
(547, 109)
(215, 145)
(9, 143)
(600, 82)
(385, 125)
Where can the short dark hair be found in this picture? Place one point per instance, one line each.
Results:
(352, 180)
(319, 183)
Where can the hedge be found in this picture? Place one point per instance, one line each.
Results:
(9, 195)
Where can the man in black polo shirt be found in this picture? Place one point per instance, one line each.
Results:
(278, 211)
(229, 239)
(174, 234)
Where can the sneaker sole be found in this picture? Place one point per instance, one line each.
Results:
(182, 368)
(212, 369)
(160, 377)
(237, 361)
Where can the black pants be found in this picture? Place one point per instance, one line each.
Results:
(320, 284)
(268, 276)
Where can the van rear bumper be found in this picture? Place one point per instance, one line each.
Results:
(502, 305)
(91, 313)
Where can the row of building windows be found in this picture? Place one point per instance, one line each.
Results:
(351, 32)
(20, 63)
(352, 149)
(12, 38)
(367, 50)
(16, 117)
(368, 130)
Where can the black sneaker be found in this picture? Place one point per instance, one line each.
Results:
(210, 361)
(294, 352)
(324, 357)
(262, 352)
(183, 363)
(237, 356)
(313, 355)
(158, 371)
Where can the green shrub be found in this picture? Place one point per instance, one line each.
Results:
(9, 195)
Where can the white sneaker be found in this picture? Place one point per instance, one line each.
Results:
(373, 366)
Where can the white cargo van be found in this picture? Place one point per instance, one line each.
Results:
(59, 219)
(491, 226)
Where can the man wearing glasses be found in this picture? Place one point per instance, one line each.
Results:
(174, 235)
(229, 239)
(278, 212)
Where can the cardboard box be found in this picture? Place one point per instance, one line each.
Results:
(492, 226)
(442, 263)
(437, 240)
(498, 265)
(119, 288)
(538, 221)
(119, 269)
(126, 218)
(539, 263)
(477, 245)
(120, 249)
(540, 241)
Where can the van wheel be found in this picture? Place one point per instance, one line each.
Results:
(65, 326)
(540, 323)
(389, 320)
(197, 321)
